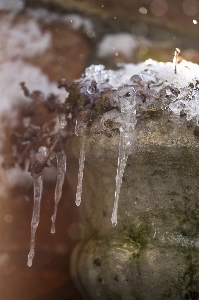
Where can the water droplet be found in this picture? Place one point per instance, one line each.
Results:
(90, 89)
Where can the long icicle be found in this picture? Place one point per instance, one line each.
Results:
(38, 188)
(81, 170)
(127, 103)
(122, 159)
(61, 169)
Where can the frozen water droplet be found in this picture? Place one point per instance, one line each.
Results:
(62, 121)
(41, 154)
(61, 169)
(90, 89)
(79, 127)
(135, 79)
(114, 223)
(81, 169)
(38, 188)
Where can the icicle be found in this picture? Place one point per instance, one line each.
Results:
(80, 131)
(197, 108)
(39, 158)
(127, 101)
(81, 169)
(122, 159)
(62, 121)
(38, 188)
(61, 169)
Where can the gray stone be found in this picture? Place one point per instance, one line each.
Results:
(152, 252)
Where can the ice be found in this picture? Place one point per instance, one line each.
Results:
(81, 170)
(80, 131)
(62, 121)
(90, 89)
(38, 188)
(127, 101)
(122, 159)
(196, 97)
(38, 158)
(61, 169)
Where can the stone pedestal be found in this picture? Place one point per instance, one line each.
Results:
(152, 253)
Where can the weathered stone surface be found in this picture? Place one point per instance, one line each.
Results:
(152, 253)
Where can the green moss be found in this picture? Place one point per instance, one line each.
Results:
(186, 283)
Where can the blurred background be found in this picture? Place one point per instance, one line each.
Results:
(42, 41)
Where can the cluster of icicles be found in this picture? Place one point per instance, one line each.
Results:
(128, 113)
(128, 99)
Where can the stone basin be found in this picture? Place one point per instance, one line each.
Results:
(152, 252)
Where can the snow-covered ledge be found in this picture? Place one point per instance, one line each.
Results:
(137, 146)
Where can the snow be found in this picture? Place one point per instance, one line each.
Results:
(119, 43)
(186, 72)
(11, 74)
(24, 39)
(75, 21)
(160, 74)
(11, 5)
(20, 40)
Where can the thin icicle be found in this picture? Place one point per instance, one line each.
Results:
(196, 108)
(122, 159)
(81, 170)
(80, 131)
(38, 188)
(62, 121)
(127, 102)
(61, 169)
